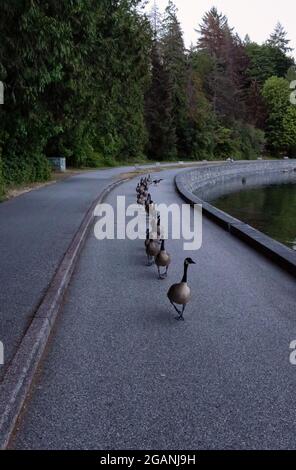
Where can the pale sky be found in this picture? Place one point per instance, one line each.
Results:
(254, 17)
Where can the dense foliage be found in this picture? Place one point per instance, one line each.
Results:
(75, 74)
(214, 105)
(100, 82)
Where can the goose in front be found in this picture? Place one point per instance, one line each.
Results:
(180, 294)
(163, 260)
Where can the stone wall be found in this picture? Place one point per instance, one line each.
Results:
(209, 179)
(197, 179)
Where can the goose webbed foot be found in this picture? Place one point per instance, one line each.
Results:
(179, 312)
(180, 318)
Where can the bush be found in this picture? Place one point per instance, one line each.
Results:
(226, 146)
(241, 142)
(251, 142)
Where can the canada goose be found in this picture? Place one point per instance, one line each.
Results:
(157, 182)
(152, 250)
(154, 219)
(149, 180)
(163, 259)
(180, 293)
(141, 199)
(147, 203)
(147, 241)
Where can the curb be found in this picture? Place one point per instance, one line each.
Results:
(272, 249)
(20, 374)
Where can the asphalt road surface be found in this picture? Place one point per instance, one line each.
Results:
(35, 232)
(121, 373)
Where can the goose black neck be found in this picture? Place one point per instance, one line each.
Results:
(162, 246)
(185, 272)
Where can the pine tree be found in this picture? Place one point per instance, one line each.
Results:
(278, 39)
(256, 109)
(174, 61)
(247, 40)
(213, 31)
(158, 111)
(201, 120)
(155, 20)
(227, 80)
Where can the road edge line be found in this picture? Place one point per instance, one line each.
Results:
(19, 376)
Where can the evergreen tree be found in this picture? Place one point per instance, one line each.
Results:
(266, 61)
(247, 40)
(174, 61)
(279, 40)
(227, 80)
(213, 32)
(201, 121)
(156, 20)
(159, 106)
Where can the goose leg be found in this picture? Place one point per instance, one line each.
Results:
(160, 276)
(179, 312)
(182, 313)
(149, 260)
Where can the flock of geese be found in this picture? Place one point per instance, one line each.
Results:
(179, 294)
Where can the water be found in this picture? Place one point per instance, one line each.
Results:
(269, 208)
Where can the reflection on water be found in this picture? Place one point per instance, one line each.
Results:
(270, 209)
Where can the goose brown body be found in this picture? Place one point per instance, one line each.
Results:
(163, 260)
(152, 248)
(180, 294)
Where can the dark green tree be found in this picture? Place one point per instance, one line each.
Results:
(159, 109)
(266, 61)
(227, 78)
(279, 40)
(175, 64)
(276, 94)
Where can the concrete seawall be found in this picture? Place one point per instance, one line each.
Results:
(196, 184)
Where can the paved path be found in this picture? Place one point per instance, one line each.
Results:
(35, 232)
(121, 373)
